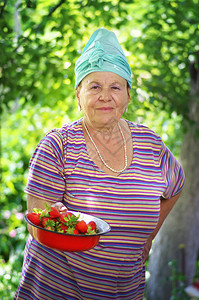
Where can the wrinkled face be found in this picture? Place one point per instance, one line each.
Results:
(103, 97)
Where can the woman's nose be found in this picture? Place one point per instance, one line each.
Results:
(105, 94)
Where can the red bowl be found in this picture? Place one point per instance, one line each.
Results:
(70, 242)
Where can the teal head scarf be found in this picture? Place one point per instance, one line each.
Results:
(102, 53)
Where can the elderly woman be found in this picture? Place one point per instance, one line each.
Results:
(106, 166)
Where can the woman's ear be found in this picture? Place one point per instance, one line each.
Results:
(129, 99)
(129, 94)
(77, 95)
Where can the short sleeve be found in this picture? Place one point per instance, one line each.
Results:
(46, 170)
(172, 173)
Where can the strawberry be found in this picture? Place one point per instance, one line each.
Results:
(196, 284)
(44, 213)
(62, 228)
(65, 215)
(92, 224)
(69, 219)
(50, 211)
(90, 231)
(45, 221)
(55, 220)
(75, 231)
(34, 218)
(50, 228)
(81, 226)
(49, 223)
(72, 230)
(54, 213)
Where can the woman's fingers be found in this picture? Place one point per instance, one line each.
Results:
(146, 250)
(60, 206)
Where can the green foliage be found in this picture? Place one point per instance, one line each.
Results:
(162, 45)
(10, 273)
(21, 132)
(178, 282)
(40, 42)
(40, 48)
(196, 276)
(167, 126)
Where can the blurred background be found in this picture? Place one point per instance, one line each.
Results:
(40, 42)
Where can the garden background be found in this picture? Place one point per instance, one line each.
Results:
(40, 42)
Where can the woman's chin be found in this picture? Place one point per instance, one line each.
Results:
(106, 119)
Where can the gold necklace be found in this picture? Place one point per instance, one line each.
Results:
(125, 152)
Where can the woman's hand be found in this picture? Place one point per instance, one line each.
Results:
(60, 207)
(33, 202)
(166, 206)
(146, 250)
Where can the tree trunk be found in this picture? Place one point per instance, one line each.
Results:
(178, 238)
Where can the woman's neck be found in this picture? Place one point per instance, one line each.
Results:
(103, 129)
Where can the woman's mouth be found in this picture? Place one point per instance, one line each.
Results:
(105, 109)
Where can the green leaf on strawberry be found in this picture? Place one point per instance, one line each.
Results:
(70, 220)
(90, 230)
(47, 207)
(49, 223)
(37, 210)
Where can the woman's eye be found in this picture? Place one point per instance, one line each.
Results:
(115, 87)
(95, 87)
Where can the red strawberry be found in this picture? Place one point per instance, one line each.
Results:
(75, 231)
(81, 226)
(49, 228)
(196, 284)
(34, 218)
(65, 215)
(55, 219)
(72, 231)
(92, 224)
(45, 221)
(54, 213)
(63, 227)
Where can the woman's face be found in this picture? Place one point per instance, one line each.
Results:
(103, 97)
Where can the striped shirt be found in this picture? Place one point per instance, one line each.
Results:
(61, 170)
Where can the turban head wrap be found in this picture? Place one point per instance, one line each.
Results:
(102, 53)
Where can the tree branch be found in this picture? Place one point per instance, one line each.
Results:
(51, 11)
(55, 7)
(2, 7)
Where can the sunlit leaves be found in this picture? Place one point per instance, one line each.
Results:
(40, 42)
(168, 34)
(43, 36)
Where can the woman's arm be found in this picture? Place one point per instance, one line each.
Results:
(34, 202)
(166, 206)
